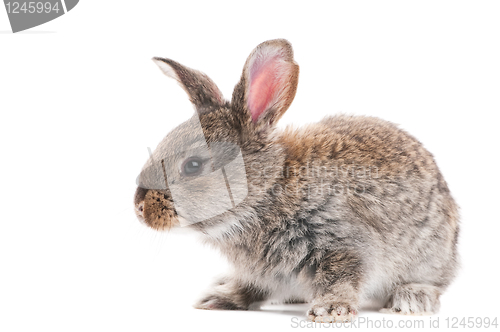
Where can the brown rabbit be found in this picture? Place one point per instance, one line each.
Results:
(348, 209)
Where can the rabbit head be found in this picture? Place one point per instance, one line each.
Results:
(220, 160)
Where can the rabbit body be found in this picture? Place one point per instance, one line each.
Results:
(345, 210)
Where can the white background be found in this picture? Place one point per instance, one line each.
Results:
(81, 101)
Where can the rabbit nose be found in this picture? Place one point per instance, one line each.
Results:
(140, 194)
(140, 209)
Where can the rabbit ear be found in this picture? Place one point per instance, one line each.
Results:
(201, 90)
(268, 83)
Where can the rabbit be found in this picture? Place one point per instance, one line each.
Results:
(333, 214)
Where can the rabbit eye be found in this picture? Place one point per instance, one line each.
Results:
(192, 166)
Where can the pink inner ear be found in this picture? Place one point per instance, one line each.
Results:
(266, 81)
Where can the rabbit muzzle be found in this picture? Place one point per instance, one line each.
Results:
(155, 208)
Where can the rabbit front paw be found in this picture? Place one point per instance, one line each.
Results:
(332, 312)
(217, 302)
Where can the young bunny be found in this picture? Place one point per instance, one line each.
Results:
(334, 213)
